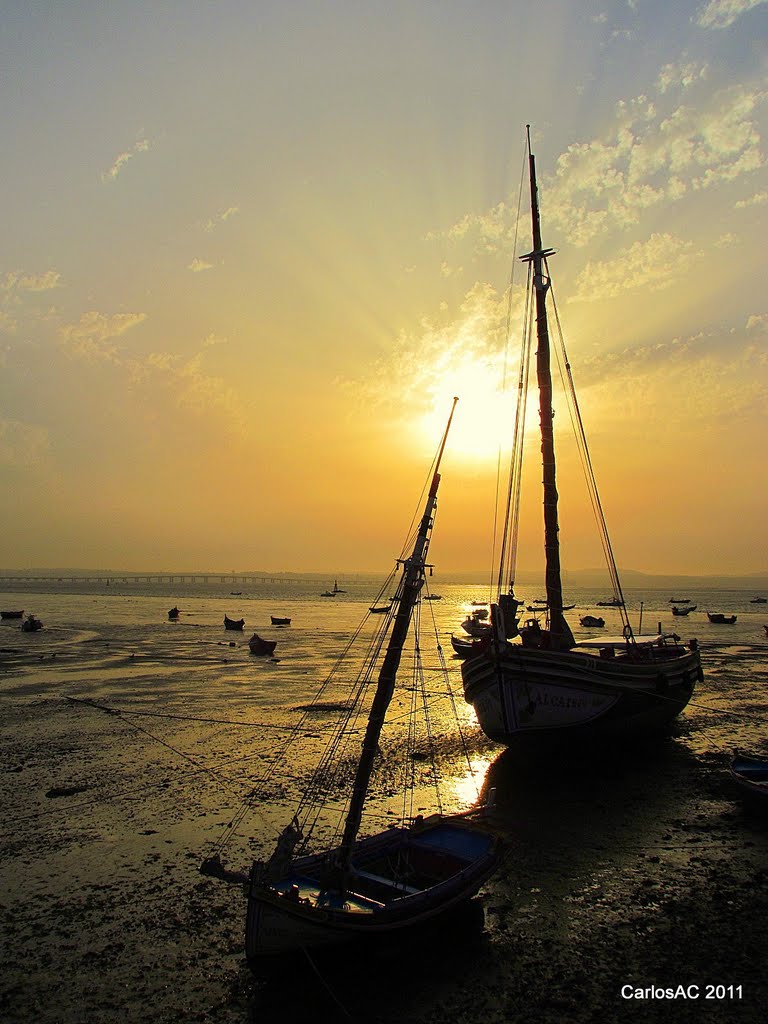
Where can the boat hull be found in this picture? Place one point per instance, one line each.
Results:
(448, 863)
(529, 695)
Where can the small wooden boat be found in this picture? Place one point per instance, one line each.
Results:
(464, 646)
(278, 621)
(233, 623)
(759, 600)
(683, 611)
(173, 614)
(31, 624)
(258, 645)
(592, 621)
(379, 609)
(751, 773)
(679, 600)
(433, 597)
(720, 619)
(614, 602)
(475, 623)
(12, 615)
(382, 885)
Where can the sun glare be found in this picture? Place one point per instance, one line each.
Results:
(484, 416)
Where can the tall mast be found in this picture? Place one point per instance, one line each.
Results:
(560, 631)
(411, 583)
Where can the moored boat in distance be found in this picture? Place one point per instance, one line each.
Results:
(534, 684)
(592, 621)
(31, 624)
(278, 620)
(233, 623)
(12, 615)
(721, 619)
(258, 645)
(759, 600)
(683, 611)
(173, 614)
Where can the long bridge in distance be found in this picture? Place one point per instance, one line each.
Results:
(246, 578)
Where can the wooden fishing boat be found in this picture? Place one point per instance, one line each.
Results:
(258, 645)
(758, 600)
(173, 614)
(465, 645)
(720, 619)
(475, 624)
(683, 611)
(380, 609)
(534, 684)
(278, 620)
(751, 773)
(592, 621)
(31, 624)
(233, 623)
(12, 615)
(362, 886)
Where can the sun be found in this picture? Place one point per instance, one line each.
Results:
(485, 414)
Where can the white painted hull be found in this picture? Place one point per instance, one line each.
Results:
(544, 695)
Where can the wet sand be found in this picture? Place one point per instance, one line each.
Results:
(636, 868)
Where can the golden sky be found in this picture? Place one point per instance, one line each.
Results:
(251, 251)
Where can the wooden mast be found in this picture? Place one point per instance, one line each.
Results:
(561, 636)
(411, 583)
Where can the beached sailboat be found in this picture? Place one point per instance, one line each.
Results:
(543, 688)
(386, 882)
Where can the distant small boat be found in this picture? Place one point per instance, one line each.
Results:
(277, 621)
(233, 623)
(475, 623)
(614, 602)
(679, 600)
(751, 773)
(592, 621)
(31, 624)
(720, 619)
(683, 611)
(236, 593)
(759, 600)
(336, 590)
(379, 609)
(260, 646)
(173, 614)
(12, 615)
(434, 597)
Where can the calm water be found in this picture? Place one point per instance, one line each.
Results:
(107, 874)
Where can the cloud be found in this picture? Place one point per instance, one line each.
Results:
(17, 281)
(88, 338)
(197, 266)
(122, 159)
(220, 218)
(657, 151)
(758, 199)
(651, 265)
(758, 322)
(723, 13)
(22, 444)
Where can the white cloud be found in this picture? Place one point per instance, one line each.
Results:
(17, 281)
(758, 199)
(220, 218)
(89, 337)
(652, 265)
(197, 266)
(723, 13)
(758, 322)
(122, 159)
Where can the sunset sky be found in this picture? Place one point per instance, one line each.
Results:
(250, 251)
